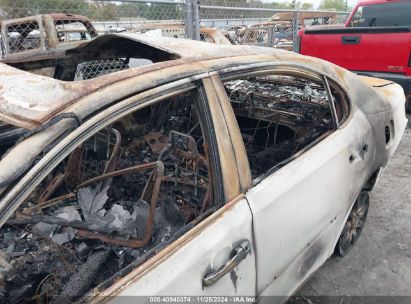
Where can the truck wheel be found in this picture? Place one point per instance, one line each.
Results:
(354, 224)
(408, 105)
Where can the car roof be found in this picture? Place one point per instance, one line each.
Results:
(372, 2)
(28, 100)
(198, 49)
(62, 16)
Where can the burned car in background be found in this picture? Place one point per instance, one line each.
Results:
(277, 32)
(40, 36)
(34, 34)
(177, 30)
(210, 170)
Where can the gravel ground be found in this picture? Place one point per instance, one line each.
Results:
(380, 263)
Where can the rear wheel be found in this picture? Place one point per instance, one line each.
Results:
(354, 224)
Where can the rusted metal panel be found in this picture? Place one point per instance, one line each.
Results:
(62, 16)
(48, 96)
(33, 35)
(26, 99)
(225, 149)
(288, 16)
(239, 152)
(29, 109)
(26, 108)
(177, 30)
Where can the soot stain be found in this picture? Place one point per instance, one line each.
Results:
(234, 279)
(310, 257)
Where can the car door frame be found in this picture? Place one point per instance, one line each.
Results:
(338, 126)
(232, 200)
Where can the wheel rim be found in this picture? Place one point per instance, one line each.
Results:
(354, 225)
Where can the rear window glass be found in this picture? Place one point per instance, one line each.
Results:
(385, 14)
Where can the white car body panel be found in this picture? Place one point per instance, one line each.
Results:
(292, 218)
(297, 214)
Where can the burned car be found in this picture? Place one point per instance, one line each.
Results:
(207, 170)
(177, 30)
(37, 34)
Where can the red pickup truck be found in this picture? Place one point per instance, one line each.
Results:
(375, 41)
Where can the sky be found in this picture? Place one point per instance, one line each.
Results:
(316, 3)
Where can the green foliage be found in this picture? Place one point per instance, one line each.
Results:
(95, 10)
(23, 8)
(306, 6)
(338, 5)
(103, 11)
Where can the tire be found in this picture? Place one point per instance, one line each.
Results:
(354, 224)
(408, 105)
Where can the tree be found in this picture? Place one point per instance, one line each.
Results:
(338, 5)
(104, 11)
(23, 8)
(307, 6)
(131, 10)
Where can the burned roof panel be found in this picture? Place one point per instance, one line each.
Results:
(28, 100)
(25, 98)
(197, 49)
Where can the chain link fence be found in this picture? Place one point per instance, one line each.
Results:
(262, 24)
(218, 21)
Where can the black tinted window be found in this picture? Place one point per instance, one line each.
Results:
(386, 14)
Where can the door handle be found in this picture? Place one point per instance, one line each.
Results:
(239, 254)
(350, 39)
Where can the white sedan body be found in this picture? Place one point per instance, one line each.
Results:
(289, 220)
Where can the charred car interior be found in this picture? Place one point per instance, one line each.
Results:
(127, 189)
(278, 116)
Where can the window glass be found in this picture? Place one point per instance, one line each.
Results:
(126, 189)
(278, 116)
(385, 14)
